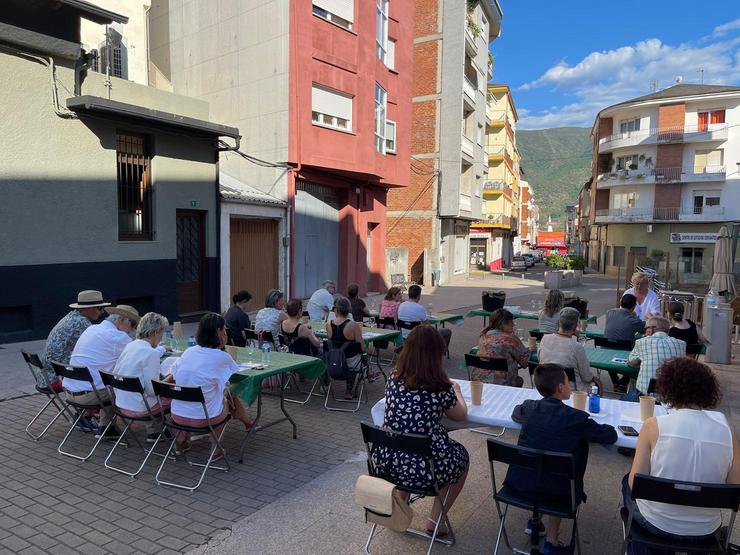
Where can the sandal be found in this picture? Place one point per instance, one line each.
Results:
(441, 532)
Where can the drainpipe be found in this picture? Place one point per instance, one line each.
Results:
(218, 231)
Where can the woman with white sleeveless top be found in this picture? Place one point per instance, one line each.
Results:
(691, 443)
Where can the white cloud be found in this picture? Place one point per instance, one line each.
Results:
(604, 78)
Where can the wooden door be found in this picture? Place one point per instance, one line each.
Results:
(254, 252)
(190, 260)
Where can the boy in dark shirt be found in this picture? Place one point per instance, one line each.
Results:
(551, 425)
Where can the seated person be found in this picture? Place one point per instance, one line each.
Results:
(301, 339)
(140, 359)
(416, 397)
(499, 341)
(650, 353)
(551, 425)
(562, 348)
(683, 328)
(207, 366)
(621, 325)
(98, 348)
(270, 317)
(550, 314)
(359, 308)
(412, 311)
(237, 319)
(648, 303)
(322, 301)
(389, 306)
(342, 330)
(692, 443)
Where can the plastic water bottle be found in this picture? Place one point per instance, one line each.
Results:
(712, 299)
(265, 353)
(191, 341)
(594, 401)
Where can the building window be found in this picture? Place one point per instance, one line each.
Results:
(692, 260)
(134, 188)
(381, 107)
(331, 108)
(704, 199)
(706, 118)
(112, 56)
(624, 162)
(390, 58)
(624, 200)
(708, 161)
(629, 126)
(339, 12)
(390, 137)
(381, 29)
(617, 256)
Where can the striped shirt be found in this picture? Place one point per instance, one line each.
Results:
(652, 351)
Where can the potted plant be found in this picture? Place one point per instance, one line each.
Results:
(641, 158)
(648, 161)
(633, 166)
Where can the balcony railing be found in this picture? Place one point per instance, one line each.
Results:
(496, 150)
(467, 146)
(706, 132)
(663, 175)
(497, 115)
(497, 218)
(493, 185)
(469, 87)
(660, 214)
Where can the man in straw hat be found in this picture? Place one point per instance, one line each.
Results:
(98, 348)
(89, 307)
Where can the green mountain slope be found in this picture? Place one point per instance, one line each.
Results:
(556, 163)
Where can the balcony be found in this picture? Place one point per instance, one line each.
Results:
(497, 220)
(493, 188)
(468, 148)
(647, 215)
(469, 88)
(496, 117)
(466, 203)
(662, 135)
(496, 153)
(661, 175)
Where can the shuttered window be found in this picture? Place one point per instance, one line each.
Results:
(331, 108)
(341, 12)
(390, 56)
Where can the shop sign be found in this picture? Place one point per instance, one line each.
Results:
(479, 234)
(693, 237)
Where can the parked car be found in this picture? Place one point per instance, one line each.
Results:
(518, 263)
(538, 256)
(528, 259)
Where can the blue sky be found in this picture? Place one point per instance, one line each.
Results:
(565, 60)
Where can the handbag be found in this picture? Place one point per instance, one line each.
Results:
(383, 502)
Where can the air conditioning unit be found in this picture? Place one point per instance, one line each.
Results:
(650, 228)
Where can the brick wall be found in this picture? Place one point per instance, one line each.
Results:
(606, 126)
(670, 156)
(418, 195)
(667, 195)
(602, 199)
(414, 234)
(426, 18)
(671, 115)
(426, 57)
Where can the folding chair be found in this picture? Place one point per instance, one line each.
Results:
(415, 444)
(542, 464)
(82, 374)
(537, 334)
(133, 385)
(189, 395)
(617, 344)
(53, 398)
(496, 364)
(300, 346)
(694, 349)
(570, 372)
(360, 371)
(687, 494)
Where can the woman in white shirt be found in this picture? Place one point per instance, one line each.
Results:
(690, 443)
(140, 359)
(270, 317)
(209, 367)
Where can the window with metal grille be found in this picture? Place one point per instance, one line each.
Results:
(134, 188)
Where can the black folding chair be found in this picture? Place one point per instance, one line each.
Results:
(694, 349)
(617, 344)
(687, 494)
(360, 379)
(133, 385)
(53, 399)
(494, 364)
(537, 334)
(407, 325)
(414, 444)
(543, 465)
(82, 374)
(189, 395)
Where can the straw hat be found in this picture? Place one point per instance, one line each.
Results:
(89, 299)
(126, 311)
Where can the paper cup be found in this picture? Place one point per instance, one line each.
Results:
(647, 407)
(177, 330)
(579, 400)
(584, 325)
(532, 342)
(476, 392)
(232, 350)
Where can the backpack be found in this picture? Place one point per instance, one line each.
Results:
(336, 362)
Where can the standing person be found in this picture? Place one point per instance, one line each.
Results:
(359, 309)
(499, 341)
(650, 353)
(413, 311)
(98, 348)
(622, 324)
(562, 348)
(301, 339)
(551, 425)
(62, 339)
(341, 330)
(389, 306)
(237, 319)
(648, 303)
(692, 443)
(416, 397)
(140, 359)
(550, 314)
(321, 302)
(270, 317)
(207, 366)
(683, 328)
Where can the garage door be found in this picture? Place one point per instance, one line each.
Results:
(254, 258)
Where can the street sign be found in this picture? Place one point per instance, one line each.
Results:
(693, 237)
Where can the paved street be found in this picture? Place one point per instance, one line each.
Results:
(287, 496)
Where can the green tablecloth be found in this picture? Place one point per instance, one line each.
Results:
(369, 334)
(523, 314)
(246, 384)
(591, 333)
(442, 317)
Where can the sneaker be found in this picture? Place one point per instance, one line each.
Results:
(87, 425)
(557, 549)
(530, 527)
(151, 438)
(111, 433)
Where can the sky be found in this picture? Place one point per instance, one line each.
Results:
(565, 60)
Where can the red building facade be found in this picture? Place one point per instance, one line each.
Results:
(349, 136)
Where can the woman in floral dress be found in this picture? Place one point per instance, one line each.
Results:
(498, 341)
(416, 397)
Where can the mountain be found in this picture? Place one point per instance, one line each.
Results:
(556, 163)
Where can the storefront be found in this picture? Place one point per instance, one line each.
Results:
(552, 242)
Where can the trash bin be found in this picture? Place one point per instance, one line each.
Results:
(717, 328)
(492, 300)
